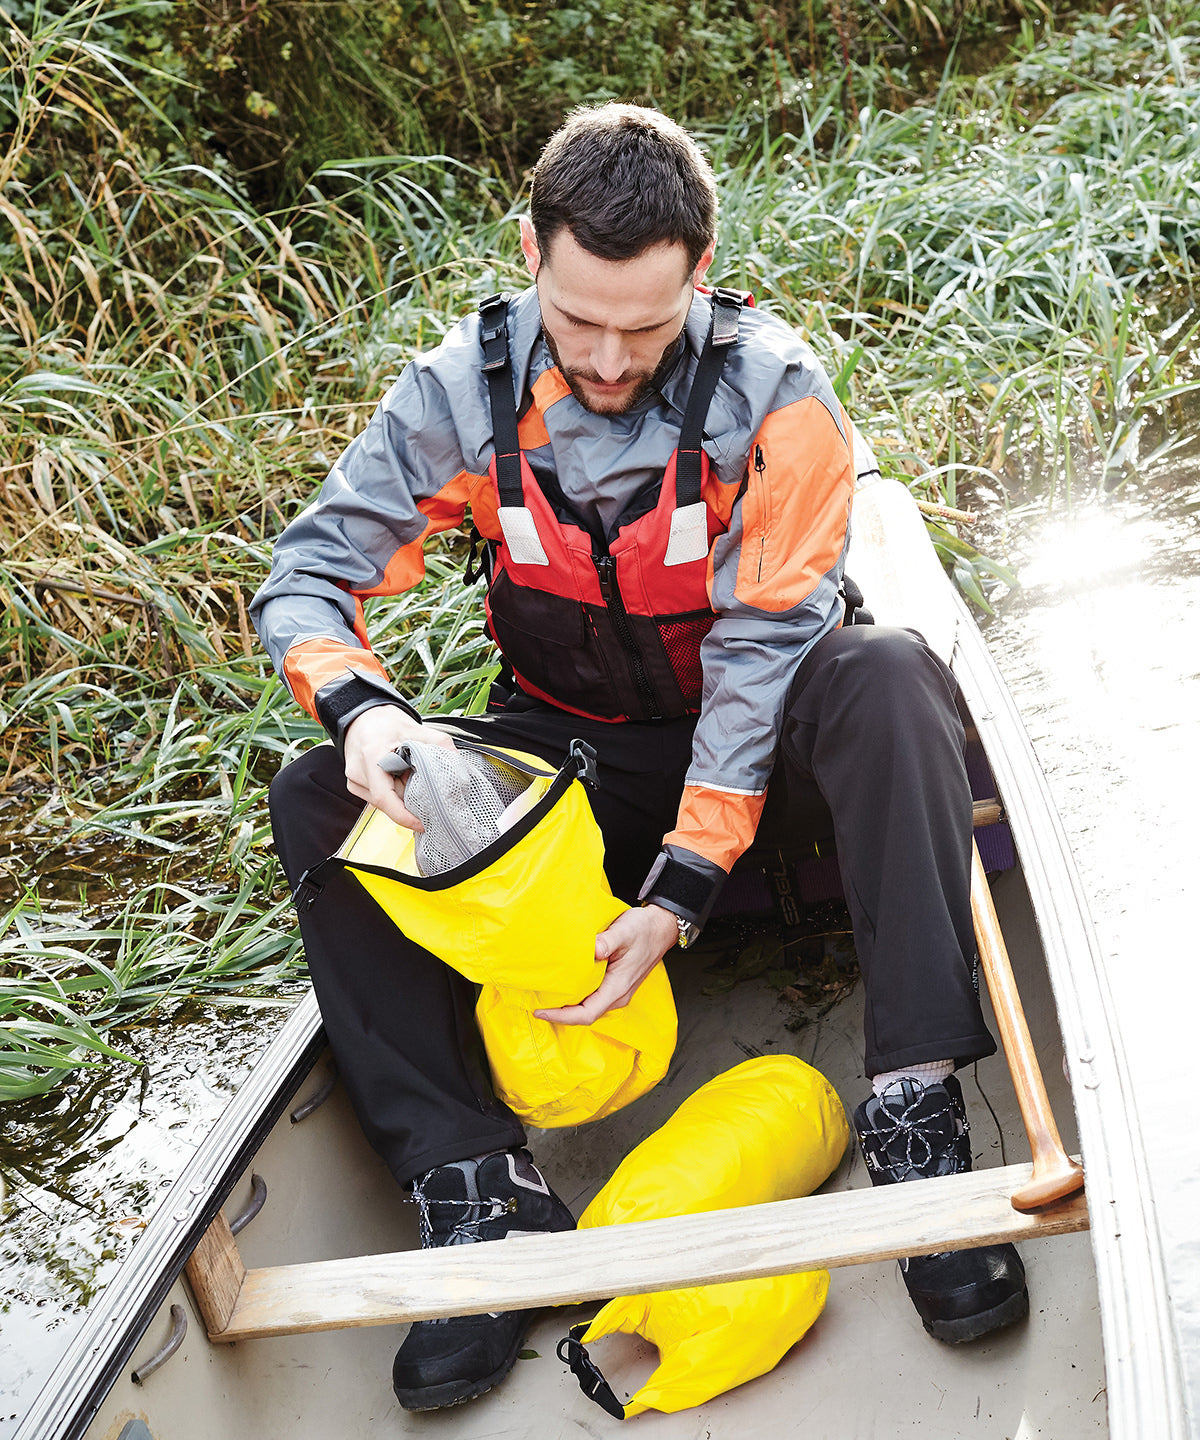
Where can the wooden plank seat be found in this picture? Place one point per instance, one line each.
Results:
(847, 1227)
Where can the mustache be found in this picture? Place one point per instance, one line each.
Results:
(628, 378)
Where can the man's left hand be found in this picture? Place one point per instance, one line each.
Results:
(632, 946)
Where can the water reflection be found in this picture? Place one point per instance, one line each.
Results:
(87, 1164)
(1100, 650)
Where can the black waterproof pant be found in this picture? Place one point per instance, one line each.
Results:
(870, 755)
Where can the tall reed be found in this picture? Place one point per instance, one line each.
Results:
(999, 279)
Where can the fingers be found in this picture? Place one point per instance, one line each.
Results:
(374, 734)
(631, 947)
(613, 994)
(387, 795)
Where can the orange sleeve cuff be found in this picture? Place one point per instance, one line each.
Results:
(716, 824)
(313, 663)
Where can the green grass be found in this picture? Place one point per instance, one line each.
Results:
(1000, 279)
(992, 284)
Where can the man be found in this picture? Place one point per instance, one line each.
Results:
(664, 478)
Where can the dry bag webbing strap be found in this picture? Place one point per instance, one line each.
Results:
(572, 1353)
(722, 333)
(493, 337)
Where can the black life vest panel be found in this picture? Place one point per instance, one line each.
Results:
(606, 629)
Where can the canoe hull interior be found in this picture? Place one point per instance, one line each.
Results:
(865, 1368)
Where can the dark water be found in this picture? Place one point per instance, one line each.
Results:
(1100, 648)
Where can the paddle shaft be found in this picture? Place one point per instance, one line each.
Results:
(1054, 1175)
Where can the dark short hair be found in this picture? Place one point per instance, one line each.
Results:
(621, 178)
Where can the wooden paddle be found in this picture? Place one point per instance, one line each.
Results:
(1055, 1175)
(897, 569)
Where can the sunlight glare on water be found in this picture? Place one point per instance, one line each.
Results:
(1099, 647)
(1076, 550)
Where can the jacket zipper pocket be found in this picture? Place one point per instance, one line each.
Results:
(760, 465)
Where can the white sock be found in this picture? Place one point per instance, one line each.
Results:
(928, 1072)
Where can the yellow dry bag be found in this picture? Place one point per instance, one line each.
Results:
(520, 918)
(769, 1129)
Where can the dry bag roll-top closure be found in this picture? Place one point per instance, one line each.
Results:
(605, 628)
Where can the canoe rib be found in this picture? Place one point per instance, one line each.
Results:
(849, 1227)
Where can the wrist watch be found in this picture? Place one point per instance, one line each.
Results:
(689, 932)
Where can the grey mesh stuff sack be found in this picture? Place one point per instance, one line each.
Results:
(460, 797)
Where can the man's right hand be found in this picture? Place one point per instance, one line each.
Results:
(373, 735)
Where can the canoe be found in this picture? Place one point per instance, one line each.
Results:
(302, 1258)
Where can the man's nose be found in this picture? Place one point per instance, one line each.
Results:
(610, 356)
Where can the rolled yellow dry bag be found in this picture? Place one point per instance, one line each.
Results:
(769, 1129)
(520, 918)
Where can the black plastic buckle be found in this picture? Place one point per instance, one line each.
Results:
(727, 307)
(585, 763)
(479, 559)
(493, 331)
(856, 610)
(591, 1380)
(308, 891)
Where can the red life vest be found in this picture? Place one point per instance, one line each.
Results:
(610, 630)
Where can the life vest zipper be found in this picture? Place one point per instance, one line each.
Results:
(610, 592)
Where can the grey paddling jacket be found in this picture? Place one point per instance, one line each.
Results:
(780, 480)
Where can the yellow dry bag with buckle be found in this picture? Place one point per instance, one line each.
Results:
(520, 918)
(769, 1129)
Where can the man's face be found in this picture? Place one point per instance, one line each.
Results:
(611, 325)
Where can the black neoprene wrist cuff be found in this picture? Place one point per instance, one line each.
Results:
(683, 889)
(343, 700)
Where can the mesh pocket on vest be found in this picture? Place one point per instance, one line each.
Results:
(681, 640)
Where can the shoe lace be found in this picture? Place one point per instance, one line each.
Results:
(465, 1229)
(904, 1137)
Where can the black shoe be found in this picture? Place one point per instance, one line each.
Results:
(443, 1362)
(914, 1132)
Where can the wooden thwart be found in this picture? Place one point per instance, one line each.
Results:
(216, 1274)
(849, 1227)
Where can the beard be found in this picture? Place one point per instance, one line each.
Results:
(641, 382)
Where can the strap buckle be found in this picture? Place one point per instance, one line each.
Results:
(573, 1354)
(493, 331)
(479, 559)
(309, 888)
(585, 763)
(727, 307)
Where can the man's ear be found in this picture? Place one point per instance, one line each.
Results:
(703, 263)
(529, 247)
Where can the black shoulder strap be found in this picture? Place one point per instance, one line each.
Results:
(493, 339)
(722, 333)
